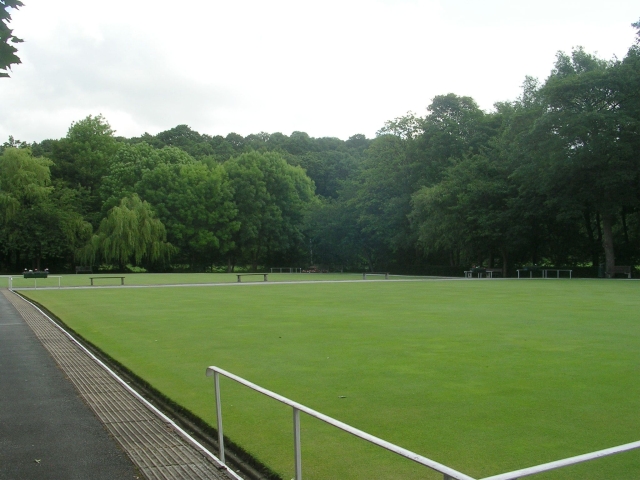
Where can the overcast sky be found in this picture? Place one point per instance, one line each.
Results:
(329, 68)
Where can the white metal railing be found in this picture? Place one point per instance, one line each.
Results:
(449, 473)
(290, 269)
(35, 280)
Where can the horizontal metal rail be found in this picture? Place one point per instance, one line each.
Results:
(35, 280)
(545, 467)
(449, 473)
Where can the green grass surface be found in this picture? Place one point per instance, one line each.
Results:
(484, 376)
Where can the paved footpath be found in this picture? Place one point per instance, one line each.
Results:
(62, 416)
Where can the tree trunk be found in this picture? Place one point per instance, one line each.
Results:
(593, 243)
(503, 251)
(607, 243)
(599, 227)
(625, 230)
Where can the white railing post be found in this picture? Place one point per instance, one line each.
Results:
(296, 443)
(216, 381)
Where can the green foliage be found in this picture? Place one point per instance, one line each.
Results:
(8, 52)
(272, 199)
(131, 232)
(469, 211)
(336, 240)
(129, 164)
(24, 180)
(585, 141)
(195, 203)
(36, 223)
(81, 160)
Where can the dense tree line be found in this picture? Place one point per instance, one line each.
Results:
(551, 178)
(178, 199)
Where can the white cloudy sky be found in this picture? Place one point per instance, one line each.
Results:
(330, 68)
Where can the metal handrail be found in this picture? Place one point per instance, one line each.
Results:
(11, 277)
(449, 473)
(545, 467)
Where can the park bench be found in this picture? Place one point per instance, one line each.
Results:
(492, 271)
(100, 278)
(487, 272)
(386, 274)
(247, 274)
(626, 270)
(80, 269)
(36, 274)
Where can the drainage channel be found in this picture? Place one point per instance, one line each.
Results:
(158, 447)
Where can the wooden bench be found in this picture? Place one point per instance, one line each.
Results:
(386, 274)
(247, 274)
(84, 269)
(99, 278)
(626, 270)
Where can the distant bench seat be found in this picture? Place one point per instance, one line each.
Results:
(247, 274)
(624, 269)
(100, 278)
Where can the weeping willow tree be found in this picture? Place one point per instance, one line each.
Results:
(130, 233)
(24, 180)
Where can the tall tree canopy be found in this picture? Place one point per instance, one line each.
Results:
(585, 139)
(36, 224)
(272, 199)
(196, 205)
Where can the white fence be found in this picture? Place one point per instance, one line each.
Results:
(448, 473)
(286, 270)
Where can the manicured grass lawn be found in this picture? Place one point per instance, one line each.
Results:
(484, 376)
